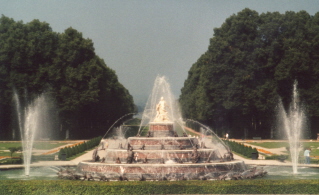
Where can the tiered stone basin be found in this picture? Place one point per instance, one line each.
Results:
(160, 156)
(187, 171)
(178, 149)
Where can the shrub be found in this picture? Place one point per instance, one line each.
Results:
(71, 151)
(11, 161)
(161, 187)
(241, 148)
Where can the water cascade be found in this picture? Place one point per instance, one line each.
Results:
(163, 149)
(293, 123)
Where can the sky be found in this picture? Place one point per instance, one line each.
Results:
(140, 39)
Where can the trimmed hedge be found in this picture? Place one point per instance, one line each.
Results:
(67, 187)
(241, 148)
(11, 161)
(71, 151)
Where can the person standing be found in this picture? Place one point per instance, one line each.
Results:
(307, 155)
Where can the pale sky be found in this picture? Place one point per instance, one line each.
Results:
(141, 39)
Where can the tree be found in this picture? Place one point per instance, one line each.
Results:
(251, 61)
(14, 149)
(84, 92)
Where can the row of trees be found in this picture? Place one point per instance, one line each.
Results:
(251, 63)
(83, 92)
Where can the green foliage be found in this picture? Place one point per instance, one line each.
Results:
(161, 187)
(15, 149)
(241, 148)
(80, 148)
(11, 161)
(83, 91)
(251, 61)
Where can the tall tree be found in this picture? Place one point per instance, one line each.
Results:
(252, 60)
(35, 60)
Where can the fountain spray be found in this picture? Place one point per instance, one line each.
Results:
(293, 123)
(29, 122)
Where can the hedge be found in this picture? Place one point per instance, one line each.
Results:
(71, 151)
(11, 161)
(241, 148)
(67, 187)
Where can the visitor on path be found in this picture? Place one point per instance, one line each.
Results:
(307, 156)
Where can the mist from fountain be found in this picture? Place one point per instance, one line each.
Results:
(30, 119)
(293, 123)
(209, 137)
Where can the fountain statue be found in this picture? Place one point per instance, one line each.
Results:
(161, 113)
(162, 149)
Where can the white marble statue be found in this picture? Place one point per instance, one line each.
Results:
(161, 113)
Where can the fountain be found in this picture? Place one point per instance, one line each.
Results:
(29, 120)
(162, 149)
(293, 123)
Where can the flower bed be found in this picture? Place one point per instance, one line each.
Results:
(264, 151)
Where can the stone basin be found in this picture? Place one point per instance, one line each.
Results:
(159, 171)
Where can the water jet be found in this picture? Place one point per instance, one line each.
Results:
(293, 123)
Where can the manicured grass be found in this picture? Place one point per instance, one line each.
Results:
(313, 145)
(7, 145)
(66, 187)
(270, 144)
(134, 121)
(41, 145)
(5, 153)
(48, 145)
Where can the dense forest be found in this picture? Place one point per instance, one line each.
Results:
(251, 64)
(84, 93)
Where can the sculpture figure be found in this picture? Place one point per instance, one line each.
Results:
(181, 147)
(118, 161)
(143, 147)
(129, 147)
(195, 155)
(130, 156)
(161, 113)
(94, 155)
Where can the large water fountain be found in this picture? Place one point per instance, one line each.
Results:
(293, 122)
(162, 149)
(29, 119)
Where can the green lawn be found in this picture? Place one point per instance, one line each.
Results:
(67, 187)
(270, 144)
(40, 145)
(313, 145)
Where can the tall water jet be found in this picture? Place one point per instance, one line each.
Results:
(161, 90)
(29, 119)
(293, 123)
